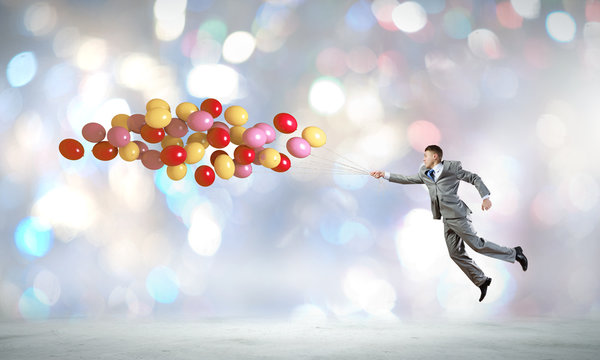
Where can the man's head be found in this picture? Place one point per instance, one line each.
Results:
(433, 156)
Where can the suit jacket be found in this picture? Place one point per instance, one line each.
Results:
(444, 191)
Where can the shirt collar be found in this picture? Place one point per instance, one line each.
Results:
(438, 167)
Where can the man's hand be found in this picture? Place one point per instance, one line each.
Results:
(377, 174)
(487, 204)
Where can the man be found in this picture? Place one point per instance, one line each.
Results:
(442, 178)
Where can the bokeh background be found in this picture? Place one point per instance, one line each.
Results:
(510, 88)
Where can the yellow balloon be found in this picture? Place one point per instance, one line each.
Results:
(129, 152)
(236, 115)
(170, 140)
(236, 133)
(315, 136)
(195, 152)
(176, 172)
(224, 166)
(120, 120)
(198, 137)
(269, 158)
(157, 103)
(184, 110)
(158, 118)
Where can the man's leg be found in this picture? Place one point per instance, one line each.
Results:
(464, 228)
(456, 249)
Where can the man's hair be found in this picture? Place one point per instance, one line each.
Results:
(436, 150)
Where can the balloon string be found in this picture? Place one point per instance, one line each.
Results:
(346, 159)
(338, 163)
(333, 166)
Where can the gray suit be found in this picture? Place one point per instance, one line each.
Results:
(458, 228)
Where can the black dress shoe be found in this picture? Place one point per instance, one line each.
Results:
(521, 258)
(484, 287)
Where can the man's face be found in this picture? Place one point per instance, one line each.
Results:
(429, 159)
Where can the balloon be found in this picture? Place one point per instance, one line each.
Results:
(142, 146)
(184, 110)
(173, 155)
(118, 136)
(157, 103)
(200, 121)
(224, 166)
(257, 158)
(284, 165)
(242, 170)
(93, 132)
(298, 147)
(120, 120)
(236, 115)
(269, 158)
(176, 172)
(158, 118)
(243, 155)
(218, 138)
(214, 155)
(212, 106)
(221, 125)
(315, 136)
(236, 133)
(254, 137)
(198, 137)
(71, 149)
(151, 134)
(104, 151)
(170, 140)
(176, 128)
(135, 122)
(204, 175)
(195, 152)
(151, 160)
(129, 152)
(285, 123)
(269, 131)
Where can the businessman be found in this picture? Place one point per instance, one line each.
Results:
(442, 178)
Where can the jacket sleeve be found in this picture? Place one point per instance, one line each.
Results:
(401, 179)
(472, 178)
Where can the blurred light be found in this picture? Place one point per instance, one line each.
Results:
(551, 130)
(583, 191)
(66, 42)
(308, 313)
(359, 16)
(591, 33)
(390, 63)
(379, 144)
(544, 207)
(561, 26)
(11, 105)
(330, 62)
(162, 284)
(214, 81)
(168, 9)
(200, 5)
(40, 18)
(409, 17)
(501, 82)
(364, 107)
(238, 47)
(204, 236)
(91, 54)
(21, 69)
(169, 29)
(31, 308)
(507, 16)
(60, 80)
(422, 133)
(361, 60)
(107, 110)
(206, 51)
(529, 9)
(383, 9)
(433, 6)
(373, 295)
(132, 184)
(33, 236)
(46, 287)
(214, 29)
(484, 44)
(30, 131)
(326, 95)
(356, 234)
(456, 23)
(592, 11)
(136, 71)
(268, 41)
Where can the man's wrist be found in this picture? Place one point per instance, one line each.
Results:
(486, 197)
(386, 175)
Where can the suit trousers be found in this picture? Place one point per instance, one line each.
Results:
(460, 231)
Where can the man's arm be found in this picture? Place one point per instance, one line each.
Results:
(474, 179)
(397, 178)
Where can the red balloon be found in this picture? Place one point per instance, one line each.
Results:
(204, 175)
(71, 149)
(214, 155)
(244, 154)
(284, 164)
(285, 123)
(151, 159)
(151, 134)
(104, 151)
(212, 106)
(173, 155)
(218, 137)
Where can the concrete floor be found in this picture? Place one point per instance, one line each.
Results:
(229, 338)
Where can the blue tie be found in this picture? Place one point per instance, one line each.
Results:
(431, 174)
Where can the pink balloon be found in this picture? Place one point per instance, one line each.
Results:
(242, 171)
(257, 158)
(135, 122)
(254, 137)
(269, 131)
(93, 132)
(176, 128)
(298, 147)
(142, 146)
(200, 120)
(118, 136)
(221, 125)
